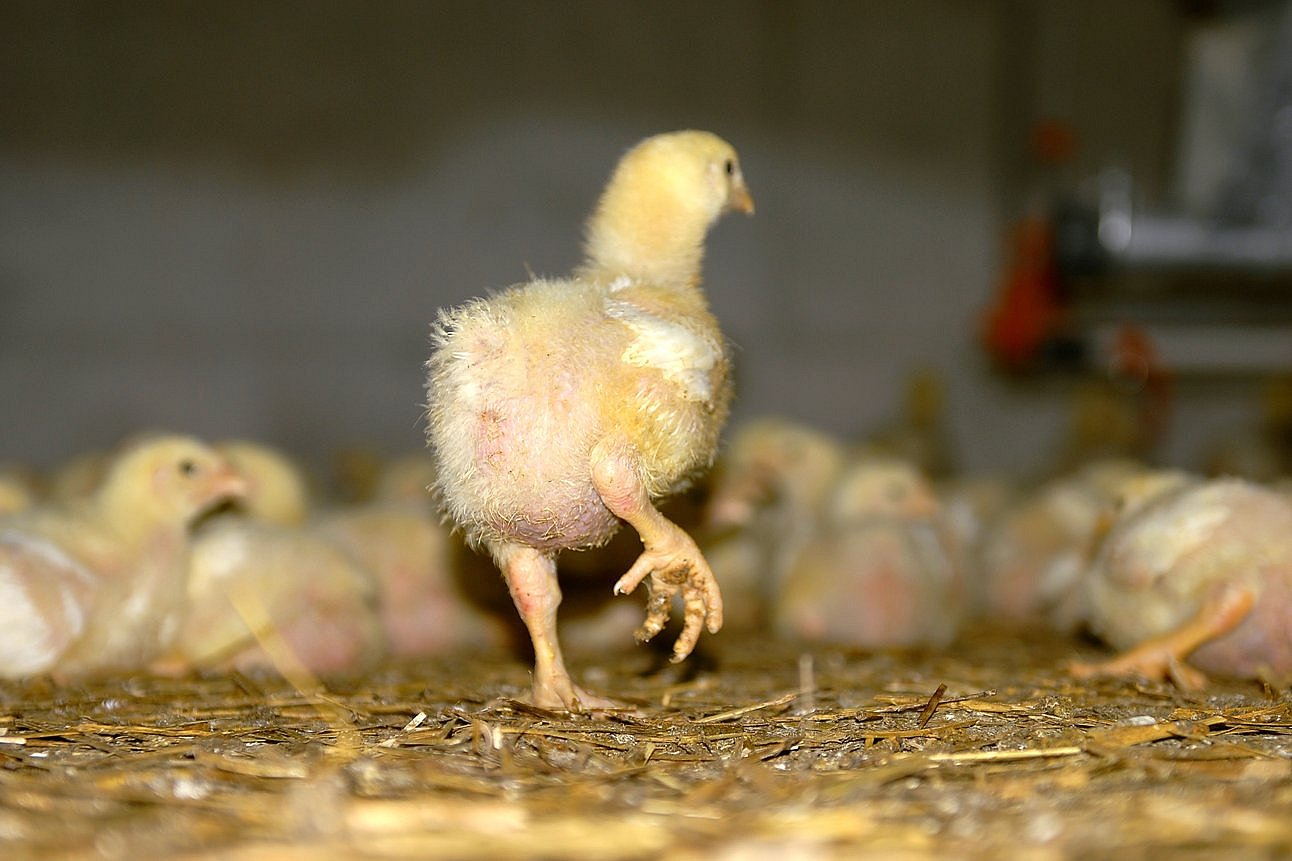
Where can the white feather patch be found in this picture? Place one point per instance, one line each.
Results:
(27, 634)
(683, 356)
(27, 638)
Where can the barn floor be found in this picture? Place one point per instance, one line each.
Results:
(749, 750)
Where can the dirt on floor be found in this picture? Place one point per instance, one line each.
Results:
(751, 749)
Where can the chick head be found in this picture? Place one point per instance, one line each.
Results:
(770, 461)
(664, 195)
(276, 489)
(881, 486)
(167, 479)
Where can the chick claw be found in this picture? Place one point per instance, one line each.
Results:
(684, 571)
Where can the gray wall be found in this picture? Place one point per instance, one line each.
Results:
(238, 219)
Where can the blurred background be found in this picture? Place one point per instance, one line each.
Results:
(1058, 224)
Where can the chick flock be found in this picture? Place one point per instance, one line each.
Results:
(559, 410)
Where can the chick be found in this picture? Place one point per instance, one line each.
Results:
(98, 584)
(972, 505)
(1032, 558)
(774, 463)
(767, 492)
(426, 607)
(558, 409)
(258, 566)
(1198, 569)
(277, 489)
(249, 579)
(883, 570)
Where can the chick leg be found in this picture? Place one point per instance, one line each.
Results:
(670, 557)
(531, 579)
(1162, 657)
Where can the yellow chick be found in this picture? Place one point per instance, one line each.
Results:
(883, 570)
(1195, 569)
(558, 409)
(98, 584)
(277, 489)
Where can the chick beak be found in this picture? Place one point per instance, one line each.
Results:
(227, 484)
(740, 198)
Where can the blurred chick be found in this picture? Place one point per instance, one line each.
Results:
(972, 505)
(767, 493)
(98, 584)
(1200, 570)
(250, 579)
(257, 567)
(883, 571)
(277, 489)
(426, 606)
(1032, 558)
(559, 408)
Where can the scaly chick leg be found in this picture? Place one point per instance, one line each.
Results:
(670, 557)
(1162, 657)
(531, 579)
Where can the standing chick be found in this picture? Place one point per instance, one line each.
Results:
(559, 408)
(98, 584)
(1199, 569)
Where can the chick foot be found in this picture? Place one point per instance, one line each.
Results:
(1162, 657)
(671, 558)
(531, 579)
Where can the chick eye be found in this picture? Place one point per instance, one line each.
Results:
(729, 166)
(188, 467)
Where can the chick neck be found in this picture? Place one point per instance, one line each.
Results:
(646, 228)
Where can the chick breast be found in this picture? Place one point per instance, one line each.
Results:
(523, 384)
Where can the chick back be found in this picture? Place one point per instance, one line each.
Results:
(522, 385)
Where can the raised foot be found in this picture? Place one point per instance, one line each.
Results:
(675, 567)
(670, 559)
